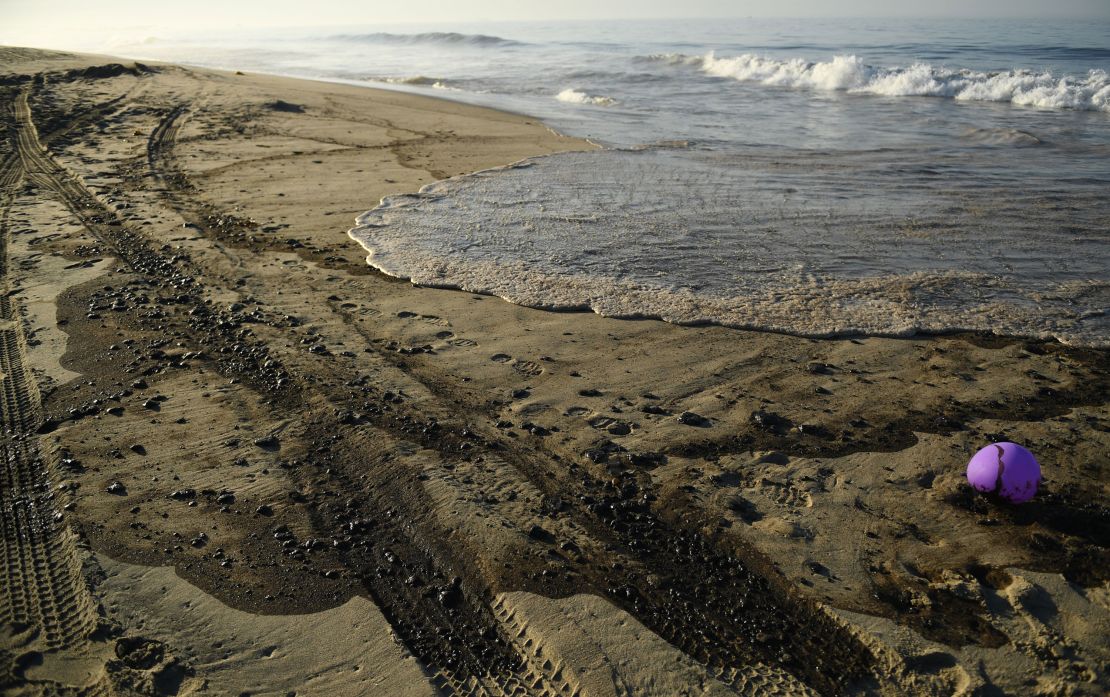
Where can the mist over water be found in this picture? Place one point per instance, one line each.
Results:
(876, 176)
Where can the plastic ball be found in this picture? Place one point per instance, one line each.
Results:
(1006, 469)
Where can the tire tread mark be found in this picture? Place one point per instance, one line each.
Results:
(42, 585)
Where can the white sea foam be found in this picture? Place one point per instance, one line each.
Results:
(850, 74)
(654, 233)
(573, 96)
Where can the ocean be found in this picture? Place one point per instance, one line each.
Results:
(815, 177)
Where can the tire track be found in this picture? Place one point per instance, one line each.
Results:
(441, 620)
(720, 604)
(43, 596)
(453, 638)
(453, 632)
(722, 607)
(63, 123)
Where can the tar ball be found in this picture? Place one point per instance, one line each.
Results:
(1006, 469)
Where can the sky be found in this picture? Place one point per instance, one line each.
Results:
(85, 23)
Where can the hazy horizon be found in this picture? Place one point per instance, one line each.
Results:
(65, 24)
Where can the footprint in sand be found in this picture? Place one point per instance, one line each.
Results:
(601, 422)
(529, 368)
(787, 495)
(451, 339)
(431, 319)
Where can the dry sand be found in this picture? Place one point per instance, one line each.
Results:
(239, 461)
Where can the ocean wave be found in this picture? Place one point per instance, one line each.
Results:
(434, 37)
(1002, 136)
(417, 81)
(850, 74)
(573, 96)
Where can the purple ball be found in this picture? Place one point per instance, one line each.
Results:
(1006, 469)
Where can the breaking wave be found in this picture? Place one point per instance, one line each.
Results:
(573, 96)
(850, 74)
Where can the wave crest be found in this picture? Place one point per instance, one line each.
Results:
(573, 96)
(850, 74)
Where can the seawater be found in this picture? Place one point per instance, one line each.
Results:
(813, 177)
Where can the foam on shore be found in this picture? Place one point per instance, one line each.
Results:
(657, 234)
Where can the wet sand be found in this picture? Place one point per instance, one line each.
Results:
(238, 460)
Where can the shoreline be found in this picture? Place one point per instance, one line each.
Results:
(973, 335)
(362, 222)
(459, 484)
(454, 234)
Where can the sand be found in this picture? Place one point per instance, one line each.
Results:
(238, 460)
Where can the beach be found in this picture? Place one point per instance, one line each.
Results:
(241, 460)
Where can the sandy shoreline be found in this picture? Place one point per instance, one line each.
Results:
(229, 441)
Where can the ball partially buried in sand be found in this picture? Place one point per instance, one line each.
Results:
(1006, 469)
